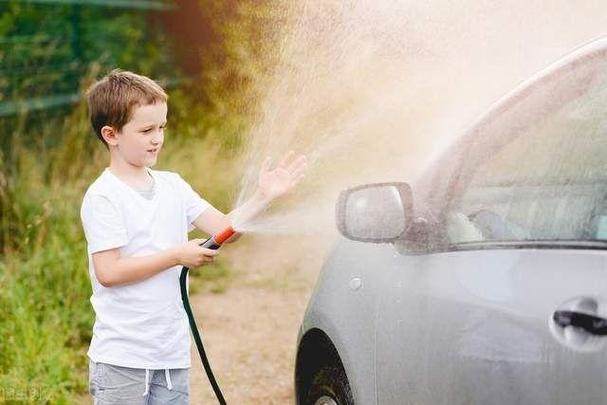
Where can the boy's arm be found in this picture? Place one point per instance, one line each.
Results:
(106, 234)
(112, 270)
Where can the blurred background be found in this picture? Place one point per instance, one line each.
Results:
(206, 53)
(370, 90)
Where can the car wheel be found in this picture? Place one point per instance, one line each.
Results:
(329, 386)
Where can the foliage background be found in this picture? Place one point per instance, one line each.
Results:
(49, 156)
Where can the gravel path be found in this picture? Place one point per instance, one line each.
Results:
(250, 330)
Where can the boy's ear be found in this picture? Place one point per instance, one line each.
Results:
(109, 134)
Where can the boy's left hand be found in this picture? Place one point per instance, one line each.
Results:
(280, 180)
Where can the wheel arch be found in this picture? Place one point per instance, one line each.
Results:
(315, 350)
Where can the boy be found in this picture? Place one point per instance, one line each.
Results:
(136, 222)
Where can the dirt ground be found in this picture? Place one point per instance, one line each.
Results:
(250, 330)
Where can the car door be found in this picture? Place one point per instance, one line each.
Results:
(509, 304)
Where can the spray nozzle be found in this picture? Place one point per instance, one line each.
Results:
(224, 235)
(215, 241)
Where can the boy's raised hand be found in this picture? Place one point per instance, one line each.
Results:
(280, 180)
(191, 254)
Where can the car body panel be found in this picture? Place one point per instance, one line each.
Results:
(473, 327)
(457, 323)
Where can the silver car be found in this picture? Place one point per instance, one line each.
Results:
(485, 281)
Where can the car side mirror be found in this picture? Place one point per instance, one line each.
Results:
(378, 213)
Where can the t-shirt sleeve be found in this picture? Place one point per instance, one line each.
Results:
(102, 223)
(194, 203)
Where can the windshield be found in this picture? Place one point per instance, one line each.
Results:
(546, 180)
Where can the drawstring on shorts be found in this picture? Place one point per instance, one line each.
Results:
(167, 375)
(147, 383)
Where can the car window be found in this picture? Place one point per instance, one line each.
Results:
(547, 182)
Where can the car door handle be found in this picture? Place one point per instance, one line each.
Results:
(590, 323)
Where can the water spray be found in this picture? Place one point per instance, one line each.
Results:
(214, 243)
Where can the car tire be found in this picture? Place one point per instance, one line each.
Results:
(329, 386)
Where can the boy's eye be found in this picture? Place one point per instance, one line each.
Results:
(150, 129)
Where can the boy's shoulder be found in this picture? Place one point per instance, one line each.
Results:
(102, 185)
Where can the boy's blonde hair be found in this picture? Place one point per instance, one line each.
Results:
(112, 99)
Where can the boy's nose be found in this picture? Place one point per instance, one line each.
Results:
(158, 137)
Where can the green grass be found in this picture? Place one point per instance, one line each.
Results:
(46, 320)
(215, 278)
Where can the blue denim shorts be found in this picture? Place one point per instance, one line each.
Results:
(110, 384)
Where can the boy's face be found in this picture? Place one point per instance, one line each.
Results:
(140, 140)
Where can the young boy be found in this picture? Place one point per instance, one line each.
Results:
(136, 222)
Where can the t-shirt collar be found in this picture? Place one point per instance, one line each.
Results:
(117, 179)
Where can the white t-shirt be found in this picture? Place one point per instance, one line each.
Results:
(143, 324)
